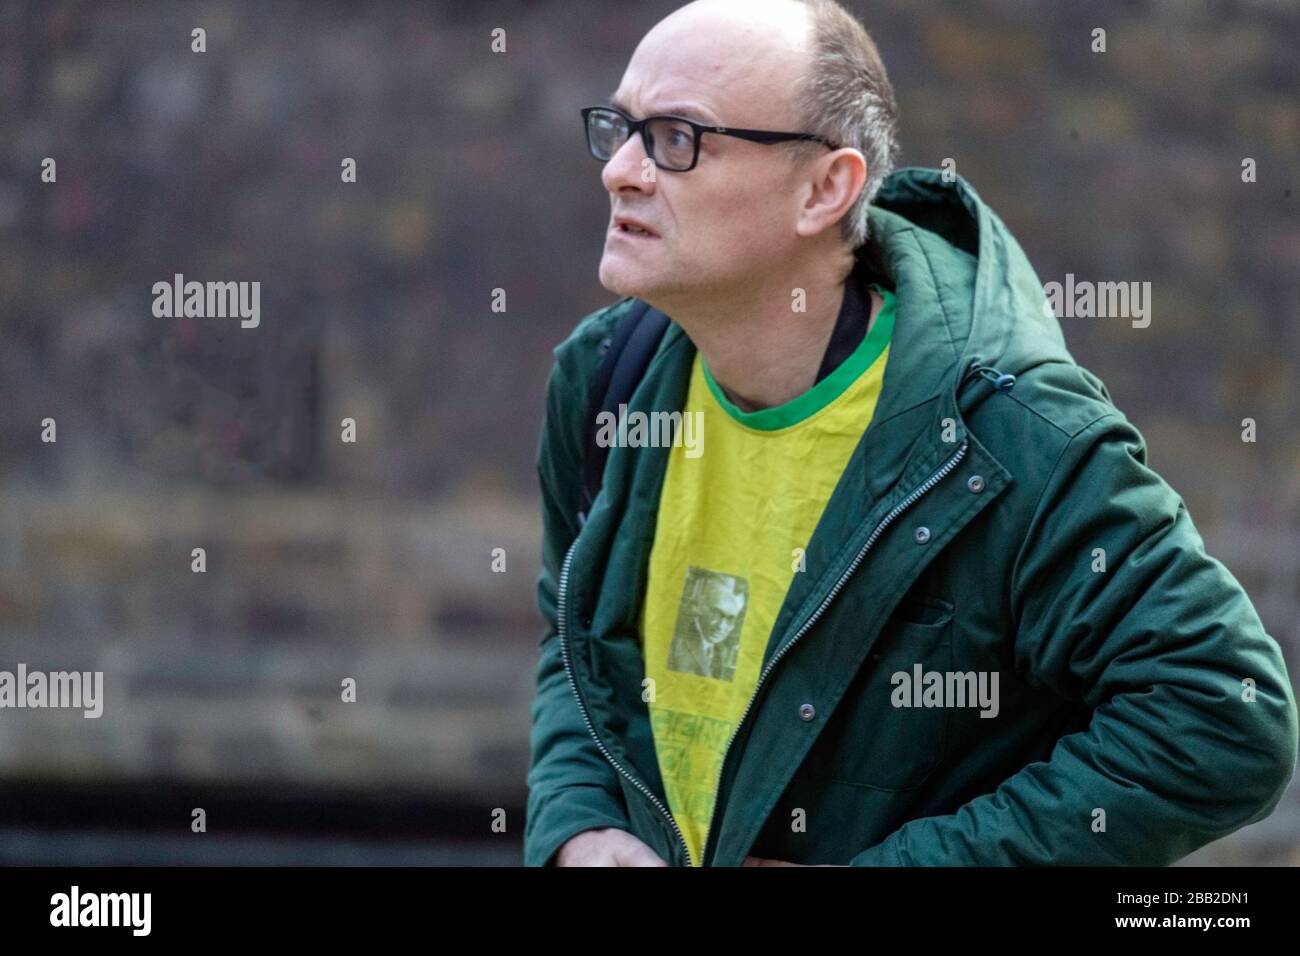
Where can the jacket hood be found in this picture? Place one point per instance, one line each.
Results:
(952, 258)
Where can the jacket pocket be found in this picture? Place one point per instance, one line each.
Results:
(924, 610)
(882, 735)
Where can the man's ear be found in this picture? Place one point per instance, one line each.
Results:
(837, 180)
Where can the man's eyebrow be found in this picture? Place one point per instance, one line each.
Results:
(684, 110)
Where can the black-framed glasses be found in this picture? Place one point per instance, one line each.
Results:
(673, 142)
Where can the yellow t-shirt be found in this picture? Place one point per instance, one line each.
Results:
(732, 513)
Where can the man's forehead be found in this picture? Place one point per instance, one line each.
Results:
(712, 94)
(709, 65)
(689, 107)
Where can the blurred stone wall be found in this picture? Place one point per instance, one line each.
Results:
(373, 560)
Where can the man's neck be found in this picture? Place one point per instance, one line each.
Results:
(759, 350)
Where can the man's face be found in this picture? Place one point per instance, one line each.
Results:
(718, 620)
(732, 216)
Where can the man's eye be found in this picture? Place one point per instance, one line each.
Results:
(679, 138)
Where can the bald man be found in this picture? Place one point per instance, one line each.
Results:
(909, 490)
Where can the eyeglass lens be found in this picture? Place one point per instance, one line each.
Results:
(672, 142)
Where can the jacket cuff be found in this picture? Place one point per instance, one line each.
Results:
(565, 814)
(885, 853)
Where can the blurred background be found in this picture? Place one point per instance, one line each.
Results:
(372, 560)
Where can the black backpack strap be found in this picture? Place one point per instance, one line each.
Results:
(622, 366)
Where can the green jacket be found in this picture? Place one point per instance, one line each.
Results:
(1142, 709)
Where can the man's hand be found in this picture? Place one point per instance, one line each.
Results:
(606, 846)
(763, 861)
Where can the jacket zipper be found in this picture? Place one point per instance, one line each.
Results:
(894, 512)
(562, 619)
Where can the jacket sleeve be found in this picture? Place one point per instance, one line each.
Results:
(1193, 732)
(571, 786)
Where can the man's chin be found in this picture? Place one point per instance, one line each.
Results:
(620, 280)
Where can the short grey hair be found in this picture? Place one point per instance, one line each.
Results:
(846, 97)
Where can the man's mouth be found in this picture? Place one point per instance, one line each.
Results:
(628, 228)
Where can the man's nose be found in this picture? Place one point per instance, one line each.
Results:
(625, 167)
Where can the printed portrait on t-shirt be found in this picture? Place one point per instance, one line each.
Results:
(709, 618)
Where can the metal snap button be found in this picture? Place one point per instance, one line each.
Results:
(922, 534)
(975, 483)
(807, 711)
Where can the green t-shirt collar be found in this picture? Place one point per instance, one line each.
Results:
(825, 391)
